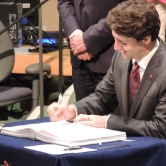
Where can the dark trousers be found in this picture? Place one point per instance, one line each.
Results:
(85, 80)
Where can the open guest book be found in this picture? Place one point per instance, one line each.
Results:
(64, 133)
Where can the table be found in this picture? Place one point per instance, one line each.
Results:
(23, 60)
(143, 151)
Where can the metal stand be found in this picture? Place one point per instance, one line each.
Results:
(41, 65)
(60, 56)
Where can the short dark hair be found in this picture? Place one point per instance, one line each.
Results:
(134, 18)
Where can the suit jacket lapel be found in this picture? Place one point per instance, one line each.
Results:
(149, 76)
(125, 87)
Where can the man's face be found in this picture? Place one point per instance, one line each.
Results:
(129, 47)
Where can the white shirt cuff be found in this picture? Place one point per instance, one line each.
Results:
(107, 120)
(75, 108)
(75, 32)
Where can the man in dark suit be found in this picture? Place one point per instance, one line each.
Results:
(160, 6)
(135, 26)
(91, 41)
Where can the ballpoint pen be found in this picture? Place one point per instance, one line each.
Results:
(59, 99)
(112, 146)
(100, 148)
(73, 148)
(59, 102)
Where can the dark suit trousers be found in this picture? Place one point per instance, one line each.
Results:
(85, 80)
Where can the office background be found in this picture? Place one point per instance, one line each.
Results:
(50, 22)
(50, 16)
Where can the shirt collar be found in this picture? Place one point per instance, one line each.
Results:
(144, 61)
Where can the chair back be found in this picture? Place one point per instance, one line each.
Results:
(7, 54)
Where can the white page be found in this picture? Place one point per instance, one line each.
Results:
(57, 149)
(73, 132)
(35, 126)
(29, 130)
(75, 135)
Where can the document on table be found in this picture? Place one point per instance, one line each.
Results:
(57, 149)
(64, 133)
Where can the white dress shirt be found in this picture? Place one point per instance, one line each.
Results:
(144, 61)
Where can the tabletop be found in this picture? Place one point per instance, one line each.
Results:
(141, 151)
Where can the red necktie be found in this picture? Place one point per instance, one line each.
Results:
(134, 80)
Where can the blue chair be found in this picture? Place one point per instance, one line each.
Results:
(9, 95)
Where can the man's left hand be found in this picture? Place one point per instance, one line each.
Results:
(85, 56)
(91, 120)
(77, 44)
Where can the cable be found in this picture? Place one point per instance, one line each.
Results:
(30, 34)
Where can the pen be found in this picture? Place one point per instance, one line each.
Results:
(59, 99)
(112, 146)
(73, 148)
(59, 102)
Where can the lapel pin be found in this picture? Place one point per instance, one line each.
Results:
(150, 76)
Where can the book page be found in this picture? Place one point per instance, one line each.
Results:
(74, 134)
(29, 130)
(75, 131)
(57, 149)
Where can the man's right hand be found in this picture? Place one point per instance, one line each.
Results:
(61, 112)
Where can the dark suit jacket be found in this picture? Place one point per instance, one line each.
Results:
(89, 16)
(148, 113)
